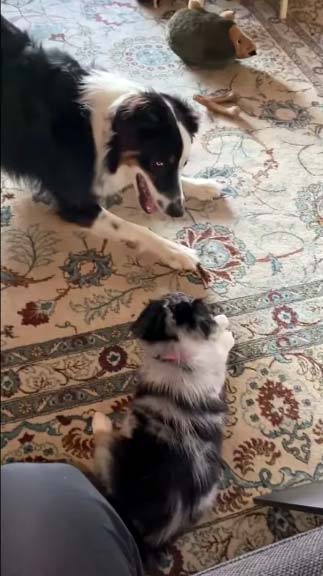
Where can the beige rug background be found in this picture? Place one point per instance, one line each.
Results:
(68, 298)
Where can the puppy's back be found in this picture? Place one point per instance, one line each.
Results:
(149, 479)
(166, 468)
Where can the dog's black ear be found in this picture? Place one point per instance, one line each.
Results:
(151, 325)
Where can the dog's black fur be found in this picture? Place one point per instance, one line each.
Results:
(46, 133)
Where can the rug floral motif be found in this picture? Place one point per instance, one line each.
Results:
(68, 298)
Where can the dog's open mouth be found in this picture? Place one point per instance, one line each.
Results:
(145, 198)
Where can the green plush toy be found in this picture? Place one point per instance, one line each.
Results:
(206, 39)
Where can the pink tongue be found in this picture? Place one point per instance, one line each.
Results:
(145, 198)
(150, 204)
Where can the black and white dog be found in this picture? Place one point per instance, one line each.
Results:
(85, 135)
(162, 468)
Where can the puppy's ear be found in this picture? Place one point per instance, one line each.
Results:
(215, 308)
(183, 314)
(151, 326)
(203, 316)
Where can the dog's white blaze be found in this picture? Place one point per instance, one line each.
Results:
(104, 88)
(187, 144)
(186, 138)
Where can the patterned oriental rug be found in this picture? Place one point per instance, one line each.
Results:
(68, 299)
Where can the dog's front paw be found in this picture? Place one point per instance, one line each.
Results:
(201, 188)
(184, 259)
(180, 257)
(210, 190)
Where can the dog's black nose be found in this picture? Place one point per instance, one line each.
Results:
(175, 210)
(253, 53)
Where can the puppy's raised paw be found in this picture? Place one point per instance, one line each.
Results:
(222, 321)
(228, 339)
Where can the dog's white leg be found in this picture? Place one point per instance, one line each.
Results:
(142, 239)
(201, 187)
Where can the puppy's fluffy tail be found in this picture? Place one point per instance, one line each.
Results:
(102, 428)
(13, 41)
(102, 435)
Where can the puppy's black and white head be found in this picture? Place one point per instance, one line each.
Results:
(173, 316)
(152, 135)
(181, 331)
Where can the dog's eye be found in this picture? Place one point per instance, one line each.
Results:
(158, 164)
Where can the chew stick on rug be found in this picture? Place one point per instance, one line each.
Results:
(215, 104)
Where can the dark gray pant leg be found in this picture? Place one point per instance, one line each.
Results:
(55, 523)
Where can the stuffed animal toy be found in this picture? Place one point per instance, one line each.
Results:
(206, 39)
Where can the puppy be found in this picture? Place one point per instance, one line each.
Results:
(163, 467)
(85, 135)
